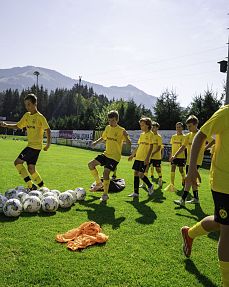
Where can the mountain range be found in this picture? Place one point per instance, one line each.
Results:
(23, 77)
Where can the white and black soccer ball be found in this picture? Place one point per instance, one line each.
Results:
(21, 188)
(3, 200)
(21, 195)
(65, 199)
(12, 207)
(11, 193)
(73, 193)
(32, 204)
(49, 204)
(36, 193)
(55, 191)
(80, 193)
(44, 189)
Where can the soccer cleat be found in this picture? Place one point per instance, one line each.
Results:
(134, 194)
(104, 197)
(150, 190)
(187, 241)
(97, 187)
(160, 182)
(193, 201)
(180, 202)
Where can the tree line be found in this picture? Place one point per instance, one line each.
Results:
(81, 108)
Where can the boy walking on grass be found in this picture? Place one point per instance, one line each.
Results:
(142, 155)
(35, 124)
(114, 135)
(177, 141)
(217, 125)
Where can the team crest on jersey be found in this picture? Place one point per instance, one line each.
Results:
(33, 121)
(223, 213)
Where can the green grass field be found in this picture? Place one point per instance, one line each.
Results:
(144, 246)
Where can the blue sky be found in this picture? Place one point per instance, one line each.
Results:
(151, 44)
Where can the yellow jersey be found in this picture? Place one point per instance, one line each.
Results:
(218, 125)
(177, 141)
(144, 142)
(157, 141)
(35, 125)
(114, 139)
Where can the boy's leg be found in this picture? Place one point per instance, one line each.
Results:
(181, 170)
(92, 166)
(203, 227)
(35, 175)
(136, 185)
(223, 253)
(158, 169)
(23, 172)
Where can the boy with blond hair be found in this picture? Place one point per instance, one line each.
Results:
(35, 124)
(114, 135)
(142, 156)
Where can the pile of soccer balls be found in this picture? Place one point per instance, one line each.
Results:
(17, 200)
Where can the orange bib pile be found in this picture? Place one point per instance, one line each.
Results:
(86, 234)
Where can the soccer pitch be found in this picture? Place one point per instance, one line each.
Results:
(144, 246)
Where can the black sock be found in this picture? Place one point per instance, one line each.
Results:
(195, 194)
(185, 194)
(146, 181)
(136, 184)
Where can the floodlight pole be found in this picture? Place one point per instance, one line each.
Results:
(36, 73)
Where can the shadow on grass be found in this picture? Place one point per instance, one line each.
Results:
(101, 213)
(197, 214)
(148, 215)
(204, 280)
(4, 218)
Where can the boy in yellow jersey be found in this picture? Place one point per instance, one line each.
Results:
(217, 125)
(156, 152)
(114, 135)
(35, 124)
(142, 156)
(192, 123)
(177, 141)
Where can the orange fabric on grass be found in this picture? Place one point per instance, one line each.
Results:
(86, 234)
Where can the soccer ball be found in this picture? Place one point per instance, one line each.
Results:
(11, 193)
(49, 204)
(73, 193)
(21, 188)
(65, 199)
(49, 193)
(3, 200)
(55, 192)
(36, 193)
(21, 195)
(12, 207)
(32, 204)
(43, 189)
(80, 193)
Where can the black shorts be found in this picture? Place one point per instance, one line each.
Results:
(107, 162)
(221, 202)
(155, 162)
(29, 155)
(139, 166)
(187, 166)
(179, 161)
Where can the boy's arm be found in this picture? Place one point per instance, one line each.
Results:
(48, 135)
(133, 154)
(180, 150)
(156, 150)
(193, 173)
(97, 141)
(210, 144)
(8, 126)
(126, 137)
(147, 160)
